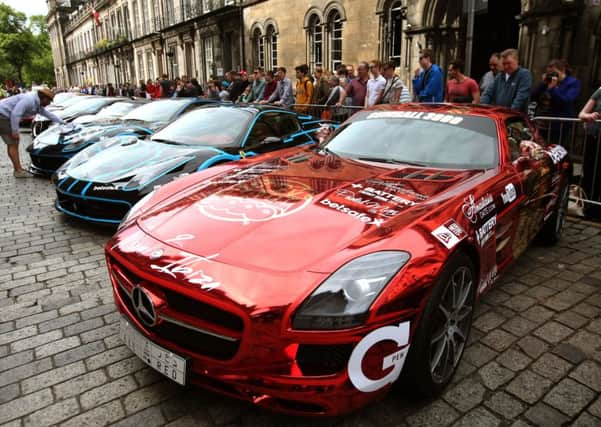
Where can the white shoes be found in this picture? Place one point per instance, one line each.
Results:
(22, 174)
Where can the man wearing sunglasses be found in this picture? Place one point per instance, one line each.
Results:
(428, 82)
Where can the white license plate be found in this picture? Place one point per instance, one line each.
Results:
(161, 359)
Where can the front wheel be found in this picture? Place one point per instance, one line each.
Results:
(444, 328)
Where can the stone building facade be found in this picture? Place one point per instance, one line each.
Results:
(328, 32)
(141, 39)
(135, 40)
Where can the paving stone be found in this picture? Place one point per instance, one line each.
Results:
(83, 326)
(529, 386)
(519, 326)
(478, 354)
(514, 288)
(563, 300)
(52, 377)
(25, 371)
(479, 417)
(149, 396)
(488, 321)
(79, 353)
(551, 366)
(56, 347)
(514, 360)
(100, 333)
(588, 342)
(17, 334)
(99, 416)
(108, 357)
(589, 374)
(569, 397)
(569, 352)
(134, 364)
(595, 408)
(586, 420)
(532, 346)
(112, 390)
(35, 341)
(97, 311)
(553, 332)
(494, 375)
(538, 314)
(53, 414)
(17, 359)
(587, 310)
(520, 303)
(498, 340)
(147, 376)
(436, 414)
(151, 417)
(24, 405)
(571, 319)
(9, 392)
(36, 318)
(465, 396)
(505, 405)
(540, 293)
(79, 384)
(544, 415)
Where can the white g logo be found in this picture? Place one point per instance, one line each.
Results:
(398, 334)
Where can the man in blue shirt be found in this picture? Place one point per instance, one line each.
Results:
(11, 111)
(283, 94)
(428, 82)
(511, 87)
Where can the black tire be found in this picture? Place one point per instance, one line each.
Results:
(551, 231)
(418, 377)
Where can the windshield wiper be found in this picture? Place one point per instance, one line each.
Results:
(393, 161)
(328, 151)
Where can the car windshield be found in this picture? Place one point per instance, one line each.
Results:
(157, 111)
(86, 106)
(421, 138)
(60, 98)
(117, 109)
(220, 127)
(68, 102)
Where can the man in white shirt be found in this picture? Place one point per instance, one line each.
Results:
(375, 85)
(12, 109)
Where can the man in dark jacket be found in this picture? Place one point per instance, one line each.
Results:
(511, 87)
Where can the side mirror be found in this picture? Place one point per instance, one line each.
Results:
(271, 140)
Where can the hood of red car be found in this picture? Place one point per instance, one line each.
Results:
(289, 213)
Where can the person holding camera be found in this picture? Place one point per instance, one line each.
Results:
(558, 91)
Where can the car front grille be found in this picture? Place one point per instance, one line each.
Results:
(175, 329)
(47, 163)
(317, 359)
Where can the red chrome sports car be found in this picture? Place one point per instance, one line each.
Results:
(309, 279)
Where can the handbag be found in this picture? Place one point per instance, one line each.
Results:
(576, 200)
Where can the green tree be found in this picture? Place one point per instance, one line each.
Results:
(25, 51)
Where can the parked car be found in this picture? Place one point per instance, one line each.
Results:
(60, 99)
(87, 105)
(58, 144)
(104, 181)
(309, 279)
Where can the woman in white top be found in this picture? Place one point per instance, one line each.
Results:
(395, 92)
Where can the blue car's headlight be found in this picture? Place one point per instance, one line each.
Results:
(343, 300)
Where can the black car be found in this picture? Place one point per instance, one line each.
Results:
(59, 143)
(103, 182)
(87, 105)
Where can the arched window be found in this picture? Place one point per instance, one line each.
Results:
(272, 39)
(315, 42)
(259, 48)
(335, 40)
(394, 32)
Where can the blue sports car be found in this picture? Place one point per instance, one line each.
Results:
(104, 181)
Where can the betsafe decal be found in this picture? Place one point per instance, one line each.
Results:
(398, 334)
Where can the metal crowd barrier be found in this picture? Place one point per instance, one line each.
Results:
(326, 112)
(583, 142)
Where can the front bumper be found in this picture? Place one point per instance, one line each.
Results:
(73, 199)
(247, 357)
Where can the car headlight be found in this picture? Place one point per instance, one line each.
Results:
(135, 210)
(343, 300)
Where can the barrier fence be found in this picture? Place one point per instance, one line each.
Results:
(583, 142)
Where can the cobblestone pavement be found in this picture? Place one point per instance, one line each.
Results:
(534, 357)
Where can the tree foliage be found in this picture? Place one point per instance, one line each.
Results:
(25, 52)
